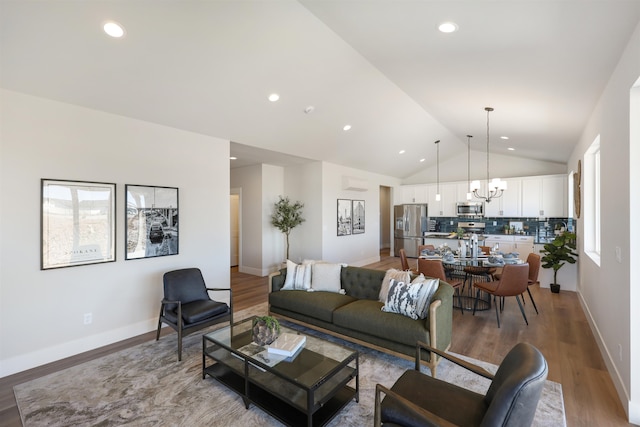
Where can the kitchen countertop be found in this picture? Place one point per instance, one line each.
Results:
(453, 236)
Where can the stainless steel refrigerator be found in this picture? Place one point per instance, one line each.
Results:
(410, 224)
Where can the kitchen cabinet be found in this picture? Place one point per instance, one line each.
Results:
(544, 196)
(554, 196)
(414, 194)
(524, 246)
(505, 242)
(509, 204)
(511, 243)
(448, 198)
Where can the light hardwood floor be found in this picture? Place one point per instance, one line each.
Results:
(560, 331)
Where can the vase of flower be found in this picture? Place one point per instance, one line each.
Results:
(265, 330)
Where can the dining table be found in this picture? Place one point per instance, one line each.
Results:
(454, 268)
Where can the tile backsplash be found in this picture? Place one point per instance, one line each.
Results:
(542, 229)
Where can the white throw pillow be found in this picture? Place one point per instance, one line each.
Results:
(413, 299)
(326, 277)
(298, 276)
(392, 273)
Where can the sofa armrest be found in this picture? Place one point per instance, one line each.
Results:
(440, 319)
(276, 280)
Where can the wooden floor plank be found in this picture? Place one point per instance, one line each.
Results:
(560, 331)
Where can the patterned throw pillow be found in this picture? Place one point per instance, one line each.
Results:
(411, 300)
(298, 277)
(392, 273)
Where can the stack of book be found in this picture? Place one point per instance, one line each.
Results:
(287, 344)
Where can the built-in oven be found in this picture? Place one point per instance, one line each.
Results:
(470, 209)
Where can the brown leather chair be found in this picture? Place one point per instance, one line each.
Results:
(404, 262)
(417, 399)
(434, 268)
(425, 247)
(534, 269)
(513, 282)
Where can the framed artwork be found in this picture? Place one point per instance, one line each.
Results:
(77, 223)
(344, 217)
(152, 221)
(357, 209)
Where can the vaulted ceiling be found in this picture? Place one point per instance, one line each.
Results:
(380, 66)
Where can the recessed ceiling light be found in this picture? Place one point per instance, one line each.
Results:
(504, 137)
(309, 109)
(448, 27)
(113, 29)
(274, 97)
(401, 152)
(346, 127)
(511, 149)
(422, 160)
(233, 158)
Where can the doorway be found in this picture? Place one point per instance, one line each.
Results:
(234, 228)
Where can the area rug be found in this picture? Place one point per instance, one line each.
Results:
(146, 386)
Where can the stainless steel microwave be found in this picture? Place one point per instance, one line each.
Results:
(470, 209)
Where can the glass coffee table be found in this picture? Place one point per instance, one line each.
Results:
(308, 388)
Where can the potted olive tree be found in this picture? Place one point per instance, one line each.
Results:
(286, 216)
(557, 253)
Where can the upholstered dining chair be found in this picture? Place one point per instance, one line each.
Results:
(534, 269)
(434, 268)
(513, 282)
(425, 247)
(187, 307)
(417, 399)
(404, 262)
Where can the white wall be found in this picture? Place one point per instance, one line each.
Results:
(501, 166)
(41, 312)
(609, 297)
(273, 244)
(304, 183)
(359, 249)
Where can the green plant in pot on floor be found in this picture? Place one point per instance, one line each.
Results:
(287, 216)
(560, 251)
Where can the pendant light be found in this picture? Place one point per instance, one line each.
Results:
(437, 170)
(469, 166)
(496, 186)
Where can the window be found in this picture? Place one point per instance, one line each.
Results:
(591, 189)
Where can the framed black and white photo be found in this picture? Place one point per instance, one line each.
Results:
(357, 222)
(344, 217)
(77, 223)
(152, 221)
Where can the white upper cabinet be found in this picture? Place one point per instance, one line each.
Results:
(509, 204)
(544, 196)
(535, 196)
(414, 194)
(554, 196)
(446, 206)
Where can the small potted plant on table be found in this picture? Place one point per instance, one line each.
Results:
(265, 330)
(557, 253)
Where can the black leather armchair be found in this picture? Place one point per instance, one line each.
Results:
(417, 399)
(187, 307)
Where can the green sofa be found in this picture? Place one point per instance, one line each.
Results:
(357, 314)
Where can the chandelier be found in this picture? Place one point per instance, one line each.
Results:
(469, 166)
(496, 186)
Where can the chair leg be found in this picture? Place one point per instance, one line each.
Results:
(532, 301)
(495, 303)
(522, 310)
(460, 300)
(475, 301)
(159, 323)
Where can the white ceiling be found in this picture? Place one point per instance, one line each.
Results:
(381, 66)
